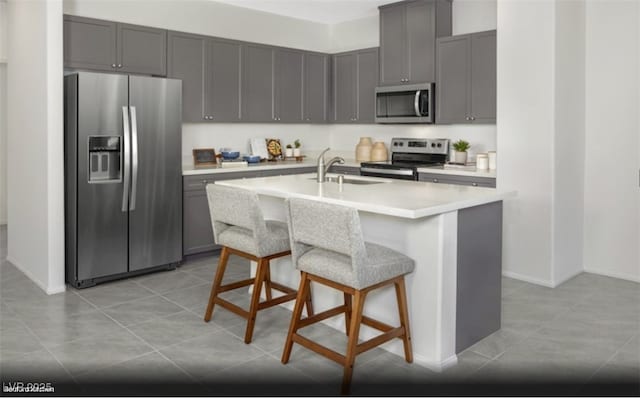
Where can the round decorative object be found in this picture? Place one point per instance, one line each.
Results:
(363, 149)
(274, 148)
(379, 152)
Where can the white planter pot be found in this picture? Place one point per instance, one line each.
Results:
(460, 157)
(296, 151)
(288, 152)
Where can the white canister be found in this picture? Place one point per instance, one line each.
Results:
(482, 161)
(493, 161)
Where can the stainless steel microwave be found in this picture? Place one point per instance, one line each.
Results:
(405, 104)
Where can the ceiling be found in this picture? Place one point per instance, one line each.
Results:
(323, 11)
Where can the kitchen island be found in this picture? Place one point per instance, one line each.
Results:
(454, 234)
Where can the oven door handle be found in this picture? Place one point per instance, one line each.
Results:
(416, 103)
(395, 172)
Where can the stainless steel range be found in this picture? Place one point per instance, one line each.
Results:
(407, 155)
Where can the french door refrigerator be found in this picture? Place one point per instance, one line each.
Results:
(123, 177)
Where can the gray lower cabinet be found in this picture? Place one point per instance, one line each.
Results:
(197, 231)
(457, 180)
(257, 84)
(355, 77)
(288, 76)
(466, 78)
(408, 31)
(110, 46)
(315, 88)
(222, 79)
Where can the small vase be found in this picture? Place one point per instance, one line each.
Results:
(363, 149)
(379, 152)
(461, 157)
(288, 152)
(296, 151)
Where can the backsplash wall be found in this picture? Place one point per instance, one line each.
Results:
(341, 138)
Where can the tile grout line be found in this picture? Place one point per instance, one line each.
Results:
(617, 351)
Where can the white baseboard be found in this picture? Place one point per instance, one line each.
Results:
(627, 277)
(529, 279)
(47, 289)
(567, 277)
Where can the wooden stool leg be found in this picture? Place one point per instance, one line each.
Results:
(354, 331)
(347, 313)
(267, 282)
(401, 295)
(255, 298)
(308, 302)
(217, 281)
(303, 290)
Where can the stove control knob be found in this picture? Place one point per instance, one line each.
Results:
(439, 145)
(433, 145)
(402, 144)
(395, 144)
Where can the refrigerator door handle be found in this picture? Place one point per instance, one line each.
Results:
(134, 158)
(127, 156)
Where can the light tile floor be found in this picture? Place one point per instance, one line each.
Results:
(580, 338)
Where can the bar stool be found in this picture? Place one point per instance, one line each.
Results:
(328, 247)
(240, 228)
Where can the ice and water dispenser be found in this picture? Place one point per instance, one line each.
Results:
(104, 159)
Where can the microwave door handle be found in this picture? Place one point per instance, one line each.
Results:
(127, 166)
(416, 103)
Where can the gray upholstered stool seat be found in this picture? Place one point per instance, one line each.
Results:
(328, 247)
(382, 264)
(275, 241)
(240, 228)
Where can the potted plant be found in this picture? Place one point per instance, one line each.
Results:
(296, 151)
(288, 151)
(460, 154)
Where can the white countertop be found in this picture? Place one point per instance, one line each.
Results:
(399, 198)
(190, 170)
(459, 170)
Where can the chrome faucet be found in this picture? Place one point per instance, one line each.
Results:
(322, 169)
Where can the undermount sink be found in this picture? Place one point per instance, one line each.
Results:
(351, 181)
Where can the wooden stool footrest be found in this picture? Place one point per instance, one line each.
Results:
(277, 300)
(320, 349)
(235, 285)
(376, 341)
(232, 307)
(376, 324)
(282, 288)
(321, 316)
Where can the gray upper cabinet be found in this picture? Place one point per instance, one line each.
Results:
(288, 85)
(355, 76)
(109, 46)
(257, 84)
(315, 88)
(186, 59)
(89, 43)
(408, 31)
(466, 79)
(222, 80)
(142, 50)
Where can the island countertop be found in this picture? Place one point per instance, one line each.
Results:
(398, 198)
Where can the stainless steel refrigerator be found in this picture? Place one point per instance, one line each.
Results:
(123, 177)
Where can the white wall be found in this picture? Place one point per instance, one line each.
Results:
(473, 16)
(209, 18)
(352, 35)
(35, 136)
(569, 140)
(612, 196)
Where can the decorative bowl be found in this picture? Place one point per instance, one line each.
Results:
(252, 158)
(227, 155)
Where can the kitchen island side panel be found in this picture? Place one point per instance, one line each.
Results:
(479, 276)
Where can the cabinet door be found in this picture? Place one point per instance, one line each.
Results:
(142, 50)
(367, 82)
(257, 82)
(483, 78)
(393, 45)
(197, 230)
(344, 87)
(421, 42)
(222, 81)
(452, 82)
(315, 87)
(186, 62)
(288, 85)
(89, 43)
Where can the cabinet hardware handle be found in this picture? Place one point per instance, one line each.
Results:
(475, 184)
(119, 65)
(113, 65)
(435, 180)
(473, 118)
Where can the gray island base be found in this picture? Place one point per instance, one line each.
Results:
(454, 234)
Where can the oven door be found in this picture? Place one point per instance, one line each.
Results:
(388, 172)
(405, 104)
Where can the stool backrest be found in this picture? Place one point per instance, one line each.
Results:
(326, 226)
(235, 207)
